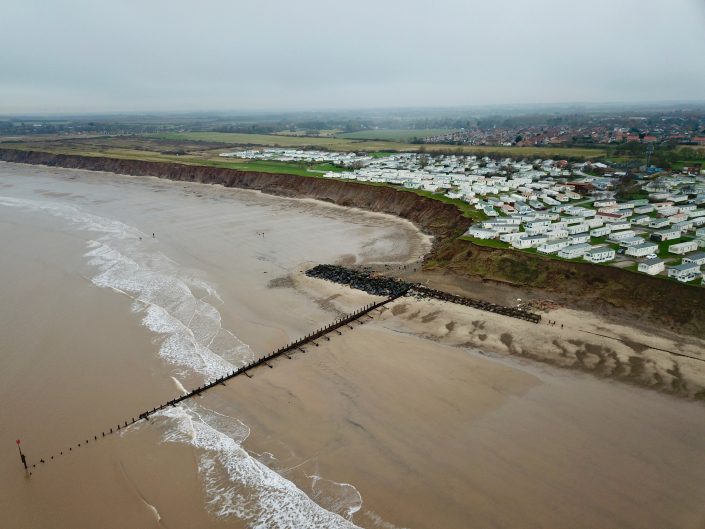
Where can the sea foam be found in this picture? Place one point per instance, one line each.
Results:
(179, 306)
(239, 485)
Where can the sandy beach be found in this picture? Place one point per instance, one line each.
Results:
(429, 415)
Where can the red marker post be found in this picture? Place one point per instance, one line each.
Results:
(22, 457)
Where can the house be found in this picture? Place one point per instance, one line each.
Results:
(599, 255)
(683, 247)
(697, 257)
(553, 246)
(574, 251)
(684, 272)
(641, 250)
(481, 233)
(652, 266)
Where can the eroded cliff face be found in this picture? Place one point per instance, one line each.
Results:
(677, 306)
(645, 298)
(433, 217)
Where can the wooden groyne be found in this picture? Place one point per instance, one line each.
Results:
(389, 286)
(298, 345)
(290, 348)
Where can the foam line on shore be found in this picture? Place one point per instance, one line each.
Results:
(174, 305)
(237, 484)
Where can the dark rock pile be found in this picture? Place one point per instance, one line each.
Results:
(360, 279)
(378, 285)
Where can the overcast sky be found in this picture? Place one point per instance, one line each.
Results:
(140, 55)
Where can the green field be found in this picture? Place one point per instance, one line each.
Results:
(400, 135)
(361, 145)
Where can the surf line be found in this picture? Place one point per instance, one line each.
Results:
(298, 345)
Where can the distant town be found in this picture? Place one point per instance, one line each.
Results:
(674, 128)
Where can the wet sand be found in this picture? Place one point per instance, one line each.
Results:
(401, 422)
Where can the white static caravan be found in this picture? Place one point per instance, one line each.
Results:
(511, 237)
(621, 225)
(621, 235)
(542, 223)
(602, 254)
(642, 220)
(574, 251)
(558, 233)
(659, 223)
(553, 246)
(601, 231)
(684, 272)
(481, 233)
(537, 230)
(666, 235)
(577, 228)
(630, 241)
(579, 238)
(604, 203)
(697, 257)
(652, 266)
(505, 228)
(642, 250)
(531, 241)
(683, 247)
(595, 223)
(643, 210)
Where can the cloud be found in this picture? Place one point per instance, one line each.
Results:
(76, 55)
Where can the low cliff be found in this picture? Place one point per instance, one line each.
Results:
(436, 218)
(649, 299)
(677, 306)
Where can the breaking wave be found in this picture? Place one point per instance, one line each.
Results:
(236, 483)
(180, 306)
